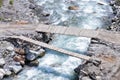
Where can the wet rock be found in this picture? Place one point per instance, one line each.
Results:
(112, 3)
(10, 48)
(31, 56)
(73, 8)
(2, 73)
(16, 68)
(2, 62)
(45, 14)
(20, 51)
(19, 58)
(86, 78)
(39, 53)
(98, 78)
(100, 3)
(32, 6)
(7, 72)
(46, 37)
(34, 63)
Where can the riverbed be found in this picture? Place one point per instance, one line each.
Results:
(91, 14)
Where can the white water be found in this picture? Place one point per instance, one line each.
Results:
(54, 65)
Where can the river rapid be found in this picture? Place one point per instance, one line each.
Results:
(92, 14)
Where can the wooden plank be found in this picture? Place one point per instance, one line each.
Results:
(77, 55)
(10, 29)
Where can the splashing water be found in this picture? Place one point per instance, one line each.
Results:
(57, 66)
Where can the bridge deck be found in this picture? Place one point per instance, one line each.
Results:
(45, 45)
(109, 36)
(101, 34)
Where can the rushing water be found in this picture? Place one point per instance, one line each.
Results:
(57, 66)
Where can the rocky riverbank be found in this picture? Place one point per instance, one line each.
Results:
(21, 12)
(15, 55)
(109, 52)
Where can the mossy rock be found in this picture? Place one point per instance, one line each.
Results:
(1, 3)
(118, 2)
(11, 2)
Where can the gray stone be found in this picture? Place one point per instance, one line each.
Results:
(2, 73)
(39, 53)
(2, 61)
(10, 48)
(16, 68)
(31, 56)
(34, 63)
(98, 78)
(86, 78)
(8, 72)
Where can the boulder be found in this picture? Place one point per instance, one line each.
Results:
(2, 73)
(19, 58)
(86, 78)
(31, 56)
(2, 62)
(34, 63)
(10, 48)
(39, 53)
(73, 8)
(7, 72)
(16, 68)
(20, 51)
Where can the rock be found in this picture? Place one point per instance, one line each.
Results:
(45, 14)
(2, 73)
(38, 53)
(19, 58)
(20, 51)
(7, 72)
(2, 62)
(41, 52)
(34, 63)
(112, 3)
(98, 78)
(86, 78)
(16, 68)
(102, 3)
(31, 56)
(10, 48)
(73, 8)
(32, 6)
(21, 22)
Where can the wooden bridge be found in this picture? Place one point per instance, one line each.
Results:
(10, 29)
